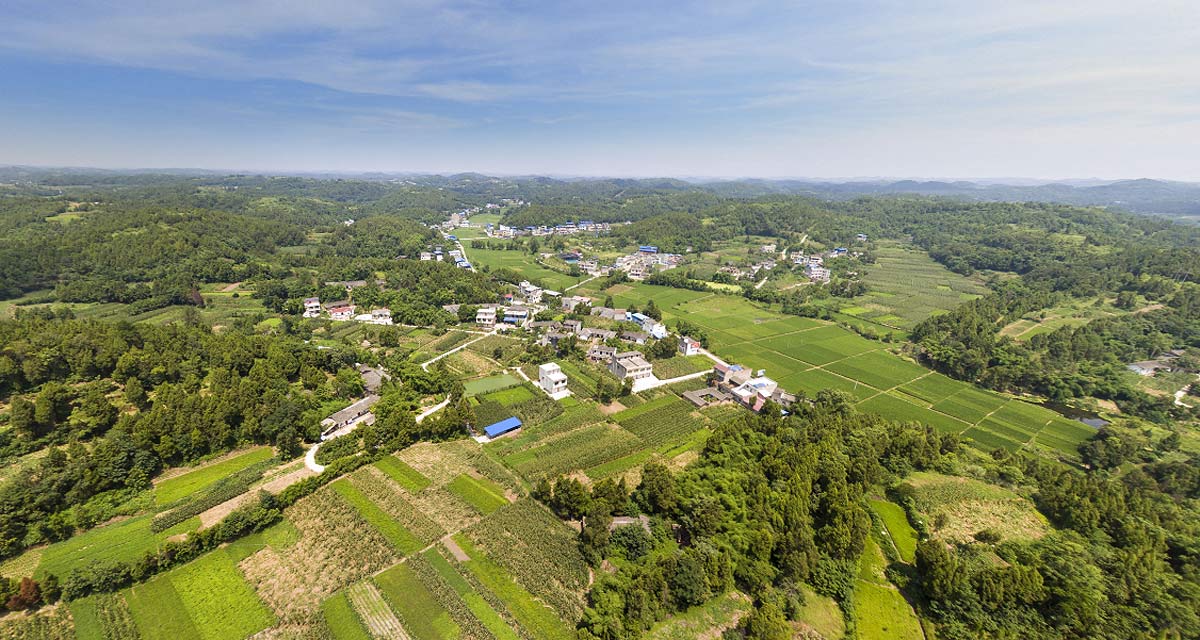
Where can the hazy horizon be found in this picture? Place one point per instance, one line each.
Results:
(821, 91)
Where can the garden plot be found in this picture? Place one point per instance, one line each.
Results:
(336, 548)
(577, 450)
(879, 369)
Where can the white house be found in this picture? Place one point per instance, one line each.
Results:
(688, 346)
(486, 318)
(342, 312)
(531, 293)
(656, 329)
(630, 365)
(382, 315)
(312, 307)
(426, 256)
(553, 381)
(817, 273)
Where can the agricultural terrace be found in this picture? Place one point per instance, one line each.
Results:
(906, 286)
(808, 355)
(957, 508)
(177, 487)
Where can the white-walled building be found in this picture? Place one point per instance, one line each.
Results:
(486, 318)
(312, 307)
(553, 381)
(688, 346)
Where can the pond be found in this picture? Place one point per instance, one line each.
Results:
(1090, 418)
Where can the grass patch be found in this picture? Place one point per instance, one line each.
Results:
(899, 530)
(967, 506)
(422, 615)
(216, 598)
(404, 541)
(158, 611)
(489, 384)
(712, 617)
(404, 475)
(182, 486)
(124, 541)
(342, 621)
(482, 494)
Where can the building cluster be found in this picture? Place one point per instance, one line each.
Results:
(752, 271)
(752, 390)
(646, 261)
(654, 328)
(343, 310)
(1165, 362)
(566, 228)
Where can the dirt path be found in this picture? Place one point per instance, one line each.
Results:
(230, 287)
(275, 486)
(454, 549)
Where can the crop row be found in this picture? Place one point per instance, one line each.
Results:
(375, 485)
(664, 423)
(580, 449)
(224, 489)
(541, 553)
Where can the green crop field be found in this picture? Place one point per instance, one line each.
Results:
(125, 541)
(579, 449)
(510, 396)
(217, 600)
(102, 617)
(186, 484)
(487, 385)
(532, 616)
(664, 423)
(341, 619)
(880, 612)
(480, 493)
(903, 536)
(404, 475)
(158, 611)
(420, 612)
(403, 540)
(879, 369)
(475, 603)
(521, 262)
(905, 286)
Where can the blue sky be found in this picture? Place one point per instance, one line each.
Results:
(782, 89)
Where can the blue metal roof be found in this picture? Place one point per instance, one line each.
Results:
(502, 427)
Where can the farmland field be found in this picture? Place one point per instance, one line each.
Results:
(181, 486)
(479, 493)
(969, 506)
(902, 535)
(486, 385)
(665, 422)
(102, 616)
(530, 614)
(403, 474)
(342, 620)
(523, 263)
(125, 540)
(403, 540)
(217, 600)
(906, 286)
(475, 603)
(423, 616)
(579, 449)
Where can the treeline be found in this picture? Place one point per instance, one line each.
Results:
(116, 403)
(1124, 562)
(1068, 362)
(772, 502)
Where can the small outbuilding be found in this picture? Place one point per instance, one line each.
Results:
(504, 426)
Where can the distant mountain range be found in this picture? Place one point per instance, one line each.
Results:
(1173, 199)
(1180, 200)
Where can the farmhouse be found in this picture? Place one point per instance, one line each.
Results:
(569, 303)
(486, 318)
(750, 390)
(349, 284)
(636, 337)
(553, 381)
(592, 333)
(610, 314)
(817, 273)
(601, 353)
(688, 346)
(630, 364)
(516, 316)
(426, 256)
(572, 326)
(312, 307)
(531, 293)
(383, 315)
(341, 311)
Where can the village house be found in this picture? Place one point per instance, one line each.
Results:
(553, 381)
(767, 248)
(531, 293)
(486, 318)
(341, 311)
(636, 337)
(620, 315)
(751, 390)
(816, 273)
(383, 316)
(426, 256)
(516, 316)
(312, 307)
(601, 353)
(570, 303)
(688, 346)
(593, 333)
(631, 365)
(572, 326)
(348, 284)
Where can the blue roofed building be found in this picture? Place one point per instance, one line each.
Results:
(504, 426)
